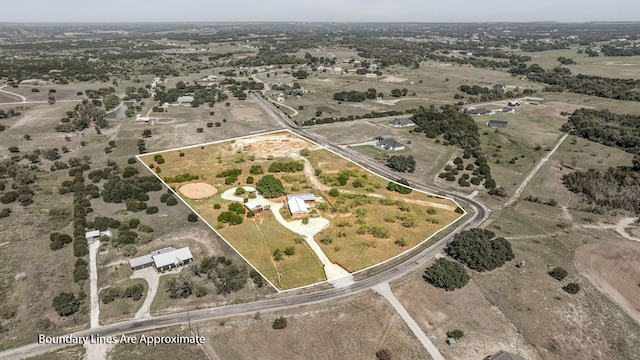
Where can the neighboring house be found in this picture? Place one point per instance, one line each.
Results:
(481, 111)
(29, 82)
(500, 86)
(513, 103)
(387, 142)
(299, 203)
(146, 261)
(92, 235)
(172, 259)
(275, 93)
(185, 100)
(371, 75)
(254, 206)
(337, 69)
(401, 122)
(140, 118)
(498, 124)
(504, 355)
(508, 110)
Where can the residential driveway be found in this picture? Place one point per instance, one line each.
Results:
(93, 283)
(308, 231)
(153, 279)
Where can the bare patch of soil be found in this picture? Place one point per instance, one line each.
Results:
(394, 79)
(614, 268)
(197, 191)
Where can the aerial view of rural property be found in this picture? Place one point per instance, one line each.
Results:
(365, 180)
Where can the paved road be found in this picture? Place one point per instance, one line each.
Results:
(413, 260)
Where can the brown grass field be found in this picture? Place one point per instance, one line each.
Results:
(350, 328)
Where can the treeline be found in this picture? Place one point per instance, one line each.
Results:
(611, 50)
(617, 130)
(371, 115)
(457, 128)
(484, 93)
(355, 96)
(560, 79)
(617, 188)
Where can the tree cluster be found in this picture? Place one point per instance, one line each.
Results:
(457, 128)
(476, 249)
(605, 127)
(446, 274)
(402, 163)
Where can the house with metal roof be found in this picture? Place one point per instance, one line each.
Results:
(253, 206)
(401, 122)
(481, 111)
(145, 261)
(185, 99)
(172, 259)
(501, 124)
(300, 203)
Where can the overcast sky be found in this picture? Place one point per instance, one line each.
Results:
(322, 10)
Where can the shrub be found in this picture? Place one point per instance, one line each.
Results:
(192, 217)
(456, 334)
(277, 254)
(152, 210)
(383, 354)
(109, 294)
(572, 288)
(279, 323)
(9, 197)
(239, 191)
(334, 192)
(66, 304)
(558, 273)
(216, 206)
(131, 160)
(250, 180)
(171, 201)
(200, 291)
(134, 292)
(290, 250)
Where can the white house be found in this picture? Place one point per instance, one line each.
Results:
(172, 259)
(401, 122)
(140, 118)
(185, 100)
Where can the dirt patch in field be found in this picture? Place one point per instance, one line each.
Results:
(278, 145)
(614, 268)
(197, 191)
(394, 79)
(239, 112)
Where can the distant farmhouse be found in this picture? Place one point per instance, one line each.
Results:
(481, 111)
(508, 110)
(141, 119)
(185, 100)
(95, 234)
(499, 124)
(401, 122)
(163, 259)
(300, 203)
(387, 142)
(513, 103)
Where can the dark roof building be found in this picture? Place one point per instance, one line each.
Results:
(498, 124)
(401, 122)
(480, 111)
(504, 355)
(388, 143)
(508, 110)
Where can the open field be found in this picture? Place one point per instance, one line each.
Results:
(258, 238)
(365, 323)
(486, 329)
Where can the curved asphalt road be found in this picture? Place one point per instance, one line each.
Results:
(283, 301)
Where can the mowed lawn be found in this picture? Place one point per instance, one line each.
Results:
(257, 238)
